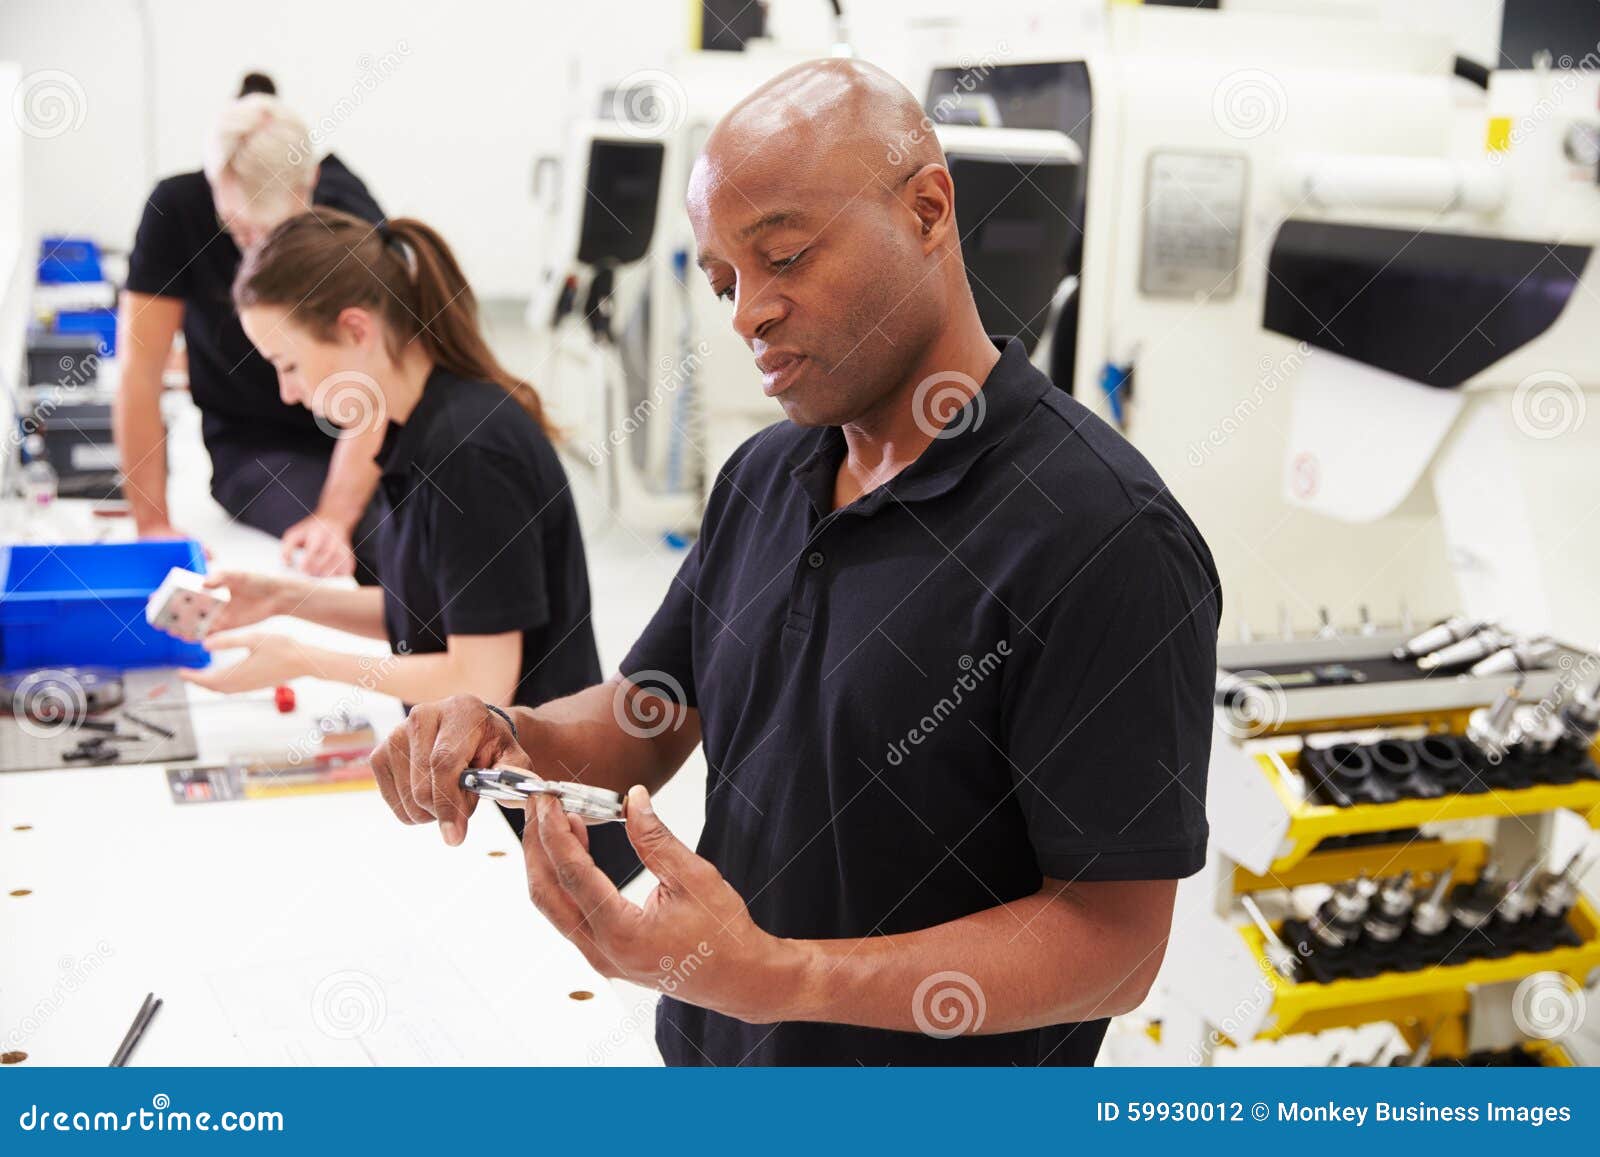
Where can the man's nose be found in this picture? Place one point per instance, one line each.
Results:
(755, 311)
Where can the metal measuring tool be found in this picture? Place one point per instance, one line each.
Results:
(593, 805)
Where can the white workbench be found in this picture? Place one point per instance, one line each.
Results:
(306, 930)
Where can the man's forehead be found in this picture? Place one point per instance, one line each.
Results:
(736, 208)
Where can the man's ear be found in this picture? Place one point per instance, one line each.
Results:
(931, 196)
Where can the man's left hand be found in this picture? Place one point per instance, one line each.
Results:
(693, 938)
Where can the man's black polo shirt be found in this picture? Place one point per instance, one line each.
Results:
(995, 668)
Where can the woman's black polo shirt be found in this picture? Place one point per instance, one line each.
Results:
(997, 667)
(481, 537)
(183, 251)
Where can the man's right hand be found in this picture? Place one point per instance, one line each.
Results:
(418, 768)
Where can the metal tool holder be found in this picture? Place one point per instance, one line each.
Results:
(1357, 768)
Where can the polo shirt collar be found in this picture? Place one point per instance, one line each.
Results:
(402, 443)
(1007, 396)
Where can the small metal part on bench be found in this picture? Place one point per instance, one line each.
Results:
(1581, 714)
(1469, 650)
(1535, 728)
(1476, 906)
(1452, 630)
(1489, 728)
(1522, 655)
(1432, 914)
(1390, 910)
(1558, 891)
(1337, 921)
(1521, 897)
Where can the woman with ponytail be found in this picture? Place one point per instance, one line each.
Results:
(485, 588)
(274, 467)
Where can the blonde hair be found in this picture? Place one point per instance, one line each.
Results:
(263, 146)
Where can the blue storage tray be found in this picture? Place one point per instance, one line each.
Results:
(83, 605)
(68, 260)
(101, 323)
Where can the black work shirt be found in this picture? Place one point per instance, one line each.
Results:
(481, 537)
(995, 668)
(183, 251)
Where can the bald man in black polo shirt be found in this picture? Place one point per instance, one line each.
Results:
(947, 639)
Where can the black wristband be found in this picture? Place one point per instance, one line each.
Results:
(511, 723)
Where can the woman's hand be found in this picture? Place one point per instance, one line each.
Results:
(251, 598)
(323, 545)
(269, 661)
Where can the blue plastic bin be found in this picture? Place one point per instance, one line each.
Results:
(83, 605)
(100, 323)
(68, 260)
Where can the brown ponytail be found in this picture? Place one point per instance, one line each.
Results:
(322, 262)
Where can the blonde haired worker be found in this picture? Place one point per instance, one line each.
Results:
(273, 466)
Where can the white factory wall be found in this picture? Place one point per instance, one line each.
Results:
(443, 107)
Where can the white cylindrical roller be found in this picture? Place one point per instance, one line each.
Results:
(1364, 181)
